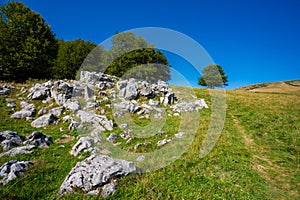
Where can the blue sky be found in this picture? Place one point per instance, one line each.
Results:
(254, 41)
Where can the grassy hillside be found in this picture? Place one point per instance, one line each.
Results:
(283, 87)
(256, 156)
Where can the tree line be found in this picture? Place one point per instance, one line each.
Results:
(29, 50)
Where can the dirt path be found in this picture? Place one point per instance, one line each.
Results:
(271, 172)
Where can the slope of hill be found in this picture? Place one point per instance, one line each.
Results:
(256, 157)
(287, 87)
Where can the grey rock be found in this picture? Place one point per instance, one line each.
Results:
(73, 125)
(56, 111)
(146, 90)
(28, 110)
(61, 92)
(42, 111)
(85, 144)
(39, 140)
(72, 104)
(109, 189)
(89, 77)
(180, 135)
(121, 84)
(88, 92)
(95, 172)
(39, 92)
(4, 90)
(11, 104)
(22, 114)
(9, 139)
(12, 170)
(126, 106)
(153, 102)
(163, 142)
(18, 150)
(43, 121)
(189, 106)
(99, 122)
(112, 137)
(162, 86)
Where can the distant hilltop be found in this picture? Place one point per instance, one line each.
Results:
(286, 87)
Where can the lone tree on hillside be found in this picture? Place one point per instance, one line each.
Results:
(27, 45)
(213, 76)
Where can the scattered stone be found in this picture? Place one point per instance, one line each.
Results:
(66, 118)
(128, 89)
(126, 106)
(140, 158)
(61, 92)
(189, 107)
(109, 189)
(72, 104)
(38, 139)
(56, 111)
(39, 92)
(43, 121)
(89, 77)
(42, 111)
(153, 102)
(180, 135)
(112, 137)
(163, 142)
(11, 104)
(9, 139)
(12, 170)
(84, 144)
(18, 150)
(99, 122)
(73, 125)
(22, 114)
(5, 90)
(95, 172)
(28, 110)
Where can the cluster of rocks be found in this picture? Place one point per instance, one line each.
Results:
(82, 99)
(5, 89)
(13, 169)
(10, 139)
(10, 142)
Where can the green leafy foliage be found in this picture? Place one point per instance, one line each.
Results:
(213, 76)
(132, 56)
(28, 47)
(71, 55)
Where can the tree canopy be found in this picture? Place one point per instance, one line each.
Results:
(70, 56)
(213, 76)
(28, 47)
(132, 56)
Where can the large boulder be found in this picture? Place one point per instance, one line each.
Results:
(28, 110)
(72, 104)
(56, 111)
(9, 139)
(189, 106)
(61, 92)
(39, 92)
(18, 150)
(38, 139)
(126, 106)
(92, 174)
(99, 122)
(84, 144)
(43, 121)
(12, 170)
(128, 89)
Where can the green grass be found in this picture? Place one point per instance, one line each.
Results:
(256, 156)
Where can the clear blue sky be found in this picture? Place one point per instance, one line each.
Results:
(253, 40)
